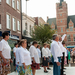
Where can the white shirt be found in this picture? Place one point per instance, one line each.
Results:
(34, 53)
(5, 48)
(17, 55)
(65, 51)
(62, 48)
(24, 56)
(14, 50)
(49, 52)
(55, 50)
(39, 52)
(44, 52)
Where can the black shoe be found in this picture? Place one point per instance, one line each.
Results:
(46, 71)
(64, 68)
(63, 71)
(49, 68)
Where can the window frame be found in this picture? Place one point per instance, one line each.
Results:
(8, 27)
(18, 25)
(14, 29)
(9, 2)
(18, 4)
(14, 4)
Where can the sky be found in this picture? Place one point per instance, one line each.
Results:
(44, 8)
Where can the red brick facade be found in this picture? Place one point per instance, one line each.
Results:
(8, 9)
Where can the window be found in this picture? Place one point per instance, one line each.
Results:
(0, 0)
(18, 24)
(14, 24)
(8, 1)
(26, 26)
(74, 37)
(71, 28)
(68, 38)
(67, 30)
(61, 29)
(18, 5)
(8, 21)
(0, 21)
(13, 3)
(30, 29)
(60, 14)
(61, 21)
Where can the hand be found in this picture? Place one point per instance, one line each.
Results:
(5, 61)
(11, 60)
(33, 61)
(24, 66)
(58, 63)
(44, 58)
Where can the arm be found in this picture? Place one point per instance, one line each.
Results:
(43, 52)
(1, 48)
(63, 37)
(32, 54)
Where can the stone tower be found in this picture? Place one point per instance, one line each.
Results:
(61, 17)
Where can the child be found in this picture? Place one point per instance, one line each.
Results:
(69, 55)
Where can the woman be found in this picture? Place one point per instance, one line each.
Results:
(35, 57)
(49, 56)
(5, 54)
(45, 57)
(24, 59)
(39, 52)
(14, 51)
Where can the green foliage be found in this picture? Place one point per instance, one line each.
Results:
(42, 33)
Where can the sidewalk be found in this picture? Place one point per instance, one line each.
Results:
(69, 71)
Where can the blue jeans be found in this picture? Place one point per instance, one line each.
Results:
(56, 69)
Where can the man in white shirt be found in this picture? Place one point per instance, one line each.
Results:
(63, 51)
(56, 55)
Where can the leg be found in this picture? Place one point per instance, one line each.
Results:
(48, 65)
(44, 68)
(33, 70)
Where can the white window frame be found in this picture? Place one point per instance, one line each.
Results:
(18, 25)
(14, 6)
(14, 24)
(71, 28)
(7, 19)
(0, 0)
(8, 2)
(18, 5)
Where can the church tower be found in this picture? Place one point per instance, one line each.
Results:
(61, 17)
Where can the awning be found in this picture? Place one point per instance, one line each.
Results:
(0, 33)
(70, 46)
(27, 38)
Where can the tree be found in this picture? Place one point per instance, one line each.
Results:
(42, 33)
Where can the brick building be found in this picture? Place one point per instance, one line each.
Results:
(63, 24)
(10, 19)
(39, 21)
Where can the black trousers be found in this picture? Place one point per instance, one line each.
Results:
(62, 64)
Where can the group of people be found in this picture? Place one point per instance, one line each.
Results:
(26, 62)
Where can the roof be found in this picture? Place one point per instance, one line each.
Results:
(52, 20)
(72, 17)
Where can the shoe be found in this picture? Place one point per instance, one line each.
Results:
(64, 74)
(49, 68)
(46, 71)
(63, 71)
(64, 68)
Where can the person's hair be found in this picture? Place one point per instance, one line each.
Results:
(38, 46)
(34, 43)
(63, 42)
(15, 44)
(22, 41)
(54, 36)
(48, 45)
(5, 34)
(44, 44)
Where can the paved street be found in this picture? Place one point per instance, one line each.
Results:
(69, 71)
